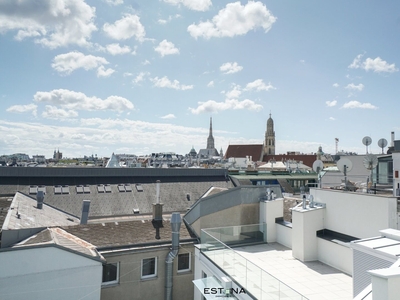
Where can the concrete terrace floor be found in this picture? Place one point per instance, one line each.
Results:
(314, 280)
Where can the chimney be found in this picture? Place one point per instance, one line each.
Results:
(85, 212)
(39, 199)
(392, 139)
(157, 212)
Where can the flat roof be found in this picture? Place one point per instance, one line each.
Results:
(314, 280)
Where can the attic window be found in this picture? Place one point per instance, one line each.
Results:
(42, 188)
(33, 190)
(128, 188)
(65, 189)
(121, 188)
(139, 188)
(79, 189)
(57, 190)
(86, 189)
(107, 188)
(100, 188)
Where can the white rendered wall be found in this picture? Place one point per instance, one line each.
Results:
(357, 214)
(269, 211)
(306, 222)
(48, 273)
(284, 235)
(336, 255)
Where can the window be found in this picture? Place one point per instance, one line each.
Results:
(184, 262)
(110, 273)
(149, 267)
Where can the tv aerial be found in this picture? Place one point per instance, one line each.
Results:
(345, 165)
(317, 166)
(370, 162)
(367, 141)
(382, 143)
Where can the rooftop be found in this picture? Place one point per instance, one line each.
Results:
(314, 280)
(128, 233)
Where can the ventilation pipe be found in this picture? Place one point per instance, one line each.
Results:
(85, 212)
(157, 212)
(169, 261)
(392, 139)
(39, 199)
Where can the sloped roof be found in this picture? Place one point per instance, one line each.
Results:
(242, 151)
(117, 234)
(113, 162)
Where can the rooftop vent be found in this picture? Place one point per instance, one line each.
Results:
(39, 199)
(85, 211)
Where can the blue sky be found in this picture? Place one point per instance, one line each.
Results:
(96, 77)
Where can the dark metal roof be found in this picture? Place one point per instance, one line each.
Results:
(245, 150)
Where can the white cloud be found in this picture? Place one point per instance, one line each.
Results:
(52, 23)
(115, 2)
(331, 103)
(234, 93)
(69, 62)
(166, 83)
(166, 48)
(377, 65)
(103, 72)
(335, 85)
(23, 108)
(354, 87)
(356, 104)
(302, 61)
(169, 116)
(115, 49)
(140, 77)
(234, 19)
(332, 118)
(211, 106)
(199, 5)
(125, 28)
(230, 68)
(127, 74)
(259, 85)
(52, 112)
(163, 21)
(79, 101)
(210, 84)
(146, 62)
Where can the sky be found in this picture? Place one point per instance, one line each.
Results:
(103, 76)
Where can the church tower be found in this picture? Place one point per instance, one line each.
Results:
(210, 139)
(269, 143)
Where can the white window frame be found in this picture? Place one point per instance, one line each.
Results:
(155, 268)
(113, 282)
(190, 263)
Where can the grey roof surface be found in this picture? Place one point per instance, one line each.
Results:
(116, 234)
(4, 207)
(173, 195)
(31, 217)
(60, 237)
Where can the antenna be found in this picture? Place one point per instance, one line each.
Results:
(370, 162)
(367, 141)
(345, 165)
(382, 143)
(317, 166)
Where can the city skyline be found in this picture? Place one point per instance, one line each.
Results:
(97, 77)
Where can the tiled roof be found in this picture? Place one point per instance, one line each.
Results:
(245, 150)
(125, 233)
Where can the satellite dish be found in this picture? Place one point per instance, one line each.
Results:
(344, 162)
(317, 166)
(382, 143)
(367, 141)
(370, 161)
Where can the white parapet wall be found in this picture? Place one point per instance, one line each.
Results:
(284, 235)
(356, 214)
(336, 254)
(269, 211)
